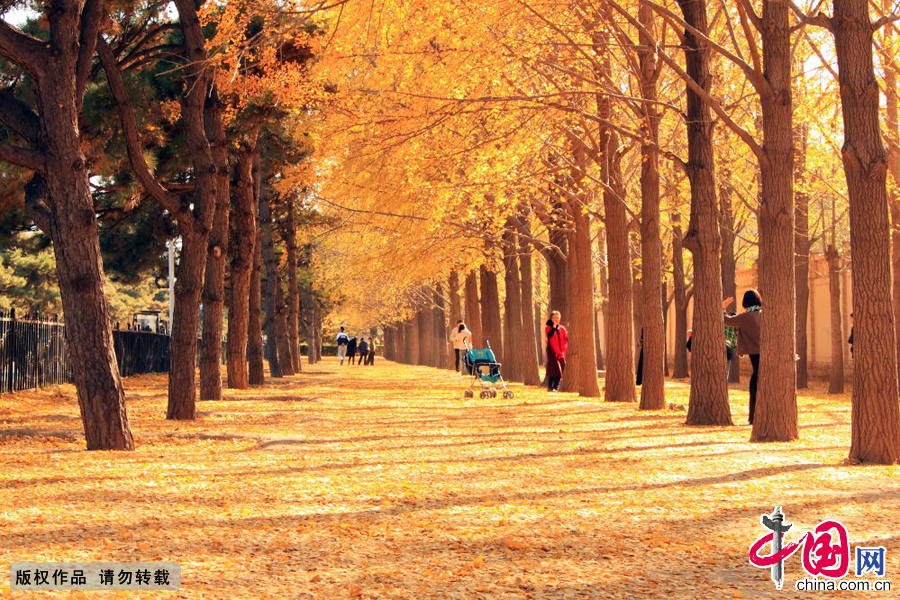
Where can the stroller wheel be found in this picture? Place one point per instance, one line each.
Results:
(469, 394)
(493, 393)
(485, 395)
(508, 395)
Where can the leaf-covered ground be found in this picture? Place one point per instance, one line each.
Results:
(383, 482)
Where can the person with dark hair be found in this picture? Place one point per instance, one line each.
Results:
(363, 349)
(557, 342)
(351, 350)
(459, 337)
(747, 326)
(342, 342)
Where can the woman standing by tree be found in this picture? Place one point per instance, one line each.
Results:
(556, 339)
(747, 325)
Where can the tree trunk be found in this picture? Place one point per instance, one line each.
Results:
(708, 404)
(79, 270)
(529, 360)
(680, 366)
(455, 312)
(875, 422)
(254, 329)
(411, 336)
(439, 342)
(425, 331)
(801, 250)
(892, 129)
(620, 365)
(836, 380)
(775, 418)
(214, 282)
(283, 339)
(473, 309)
(581, 360)
(490, 313)
(512, 303)
(293, 315)
(604, 297)
(653, 394)
(729, 261)
(271, 289)
(255, 351)
(244, 253)
(556, 268)
(185, 323)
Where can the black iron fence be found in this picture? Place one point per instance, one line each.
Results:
(33, 352)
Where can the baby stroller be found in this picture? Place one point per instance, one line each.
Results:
(485, 369)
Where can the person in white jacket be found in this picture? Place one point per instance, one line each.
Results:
(459, 336)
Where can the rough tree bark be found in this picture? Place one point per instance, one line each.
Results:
(289, 234)
(892, 128)
(836, 378)
(425, 330)
(58, 198)
(775, 419)
(455, 312)
(241, 268)
(680, 365)
(490, 312)
(272, 286)
(256, 374)
(473, 309)
(729, 261)
(581, 359)
(411, 337)
(620, 364)
(439, 318)
(217, 255)
(194, 217)
(529, 360)
(708, 404)
(801, 251)
(512, 303)
(875, 420)
(603, 309)
(653, 395)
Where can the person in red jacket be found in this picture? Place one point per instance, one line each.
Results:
(557, 341)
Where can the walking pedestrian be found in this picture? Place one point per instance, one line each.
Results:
(461, 338)
(557, 342)
(747, 326)
(351, 350)
(342, 340)
(363, 350)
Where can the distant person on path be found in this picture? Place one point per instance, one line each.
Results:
(363, 351)
(371, 359)
(342, 341)
(351, 350)
(557, 342)
(747, 326)
(458, 337)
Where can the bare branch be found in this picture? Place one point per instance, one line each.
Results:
(22, 49)
(90, 29)
(22, 157)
